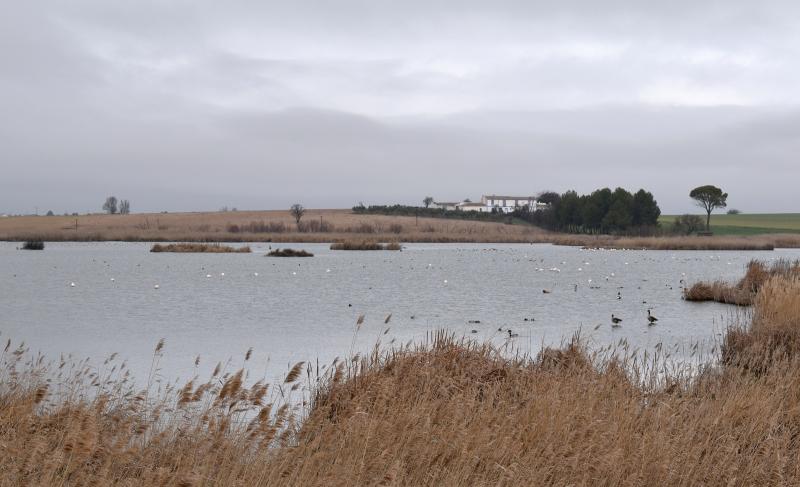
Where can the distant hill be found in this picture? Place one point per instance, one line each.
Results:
(748, 224)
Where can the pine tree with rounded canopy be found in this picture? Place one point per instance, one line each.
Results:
(709, 198)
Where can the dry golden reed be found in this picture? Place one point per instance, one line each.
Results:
(744, 292)
(444, 411)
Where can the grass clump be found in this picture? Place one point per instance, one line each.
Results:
(33, 245)
(744, 292)
(289, 253)
(199, 248)
(365, 245)
(774, 333)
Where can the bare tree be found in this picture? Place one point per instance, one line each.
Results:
(110, 206)
(124, 207)
(297, 212)
(427, 201)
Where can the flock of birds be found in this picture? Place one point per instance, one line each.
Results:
(615, 320)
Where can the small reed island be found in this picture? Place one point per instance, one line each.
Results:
(33, 245)
(365, 245)
(289, 253)
(200, 248)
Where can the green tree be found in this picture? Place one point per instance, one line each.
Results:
(645, 210)
(619, 215)
(595, 207)
(427, 201)
(569, 211)
(709, 198)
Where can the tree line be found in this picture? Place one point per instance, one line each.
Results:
(602, 212)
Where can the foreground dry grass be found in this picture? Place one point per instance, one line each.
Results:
(447, 412)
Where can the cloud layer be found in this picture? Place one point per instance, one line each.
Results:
(194, 105)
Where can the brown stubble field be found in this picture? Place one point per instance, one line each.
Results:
(258, 226)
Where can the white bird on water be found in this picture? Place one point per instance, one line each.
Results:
(208, 276)
(72, 284)
(156, 286)
(255, 274)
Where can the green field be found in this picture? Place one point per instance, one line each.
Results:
(755, 224)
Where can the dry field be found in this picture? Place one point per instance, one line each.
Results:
(341, 225)
(258, 226)
(445, 412)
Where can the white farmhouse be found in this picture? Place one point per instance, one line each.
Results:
(507, 204)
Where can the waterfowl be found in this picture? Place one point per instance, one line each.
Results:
(652, 319)
(615, 320)
(512, 335)
(545, 291)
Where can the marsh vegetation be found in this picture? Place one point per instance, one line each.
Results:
(289, 253)
(214, 248)
(445, 411)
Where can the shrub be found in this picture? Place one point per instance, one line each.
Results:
(688, 224)
(289, 253)
(199, 248)
(33, 245)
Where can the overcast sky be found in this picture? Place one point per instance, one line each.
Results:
(192, 105)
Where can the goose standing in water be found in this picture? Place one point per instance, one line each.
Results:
(512, 335)
(652, 319)
(615, 320)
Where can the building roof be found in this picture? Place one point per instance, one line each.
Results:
(500, 197)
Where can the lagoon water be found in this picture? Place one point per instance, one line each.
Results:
(290, 309)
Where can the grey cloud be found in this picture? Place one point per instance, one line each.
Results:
(194, 105)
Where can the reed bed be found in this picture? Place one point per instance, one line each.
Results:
(446, 411)
(200, 248)
(764, 242)
(289, 253)
(365, 245)
(744, 292)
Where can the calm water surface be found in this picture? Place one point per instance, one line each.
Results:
(305, 309)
